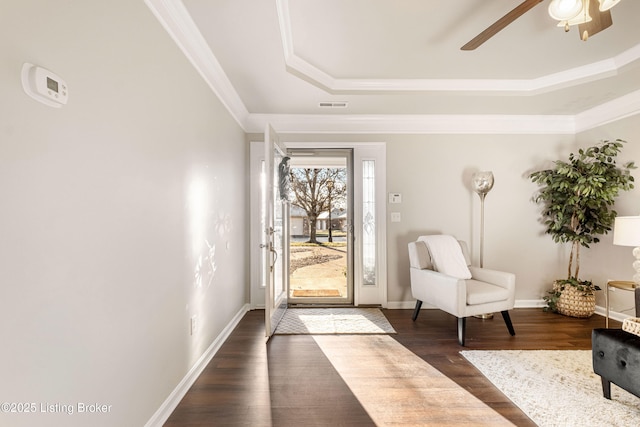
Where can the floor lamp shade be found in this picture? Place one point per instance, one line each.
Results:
(482, 182)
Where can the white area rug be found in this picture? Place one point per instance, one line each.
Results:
(316, 321)
(556, 387)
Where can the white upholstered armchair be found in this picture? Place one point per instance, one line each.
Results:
(441, 276)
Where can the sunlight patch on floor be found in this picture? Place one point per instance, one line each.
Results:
(396, 387)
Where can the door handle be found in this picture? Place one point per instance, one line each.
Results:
(270, 231)
(275, 256)
(273, 251)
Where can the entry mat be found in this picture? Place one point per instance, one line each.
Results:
(318, 321)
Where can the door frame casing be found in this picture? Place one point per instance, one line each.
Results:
(257, 285)
(373, 295)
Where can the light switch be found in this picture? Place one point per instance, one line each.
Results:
(395, 217)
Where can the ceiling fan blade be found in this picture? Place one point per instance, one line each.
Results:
(500, 24)
(599, 21)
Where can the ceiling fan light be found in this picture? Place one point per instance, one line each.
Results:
(581, 18)
(565, 10)
(607, 4)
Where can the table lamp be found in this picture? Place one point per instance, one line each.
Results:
(626, 232)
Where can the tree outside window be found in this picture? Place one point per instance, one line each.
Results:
(318, 190)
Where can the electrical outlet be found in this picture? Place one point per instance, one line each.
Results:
(193, 325)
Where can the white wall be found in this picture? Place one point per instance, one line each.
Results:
(437, 197)
(433, 173)
(107, 206)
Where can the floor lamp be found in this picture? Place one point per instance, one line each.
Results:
(482, 184)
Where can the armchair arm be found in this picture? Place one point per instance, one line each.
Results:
(495, 277)
(447, 293)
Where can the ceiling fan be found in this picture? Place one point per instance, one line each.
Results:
(591, 16)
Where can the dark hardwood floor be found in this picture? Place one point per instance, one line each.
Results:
(289, 382)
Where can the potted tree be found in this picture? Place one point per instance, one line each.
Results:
(577, 198)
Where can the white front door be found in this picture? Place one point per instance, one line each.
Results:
(276, 230)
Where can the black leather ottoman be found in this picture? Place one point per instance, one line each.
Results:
(616, 358)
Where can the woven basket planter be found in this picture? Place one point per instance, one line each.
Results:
(575, 303)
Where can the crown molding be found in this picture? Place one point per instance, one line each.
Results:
(412, 124)
(176, 20)
(563, 79)
(617, 109)
(626, 106)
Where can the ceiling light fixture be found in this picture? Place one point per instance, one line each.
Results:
(569, 12)
(564, 10)
(578, 12)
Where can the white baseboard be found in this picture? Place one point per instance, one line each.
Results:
(530, 303)
(602, 311)
(533, 303)
(170, 404)
(399, 305)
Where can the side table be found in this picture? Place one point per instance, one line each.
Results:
(625, 285)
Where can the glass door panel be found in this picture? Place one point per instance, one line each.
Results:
(321, 239)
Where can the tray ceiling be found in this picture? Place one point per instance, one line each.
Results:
(386, 58)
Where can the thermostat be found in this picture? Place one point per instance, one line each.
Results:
(44, 86)
(395, 198)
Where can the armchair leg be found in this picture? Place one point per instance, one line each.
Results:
(462, 323)
(507, 320)
(416, 311)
